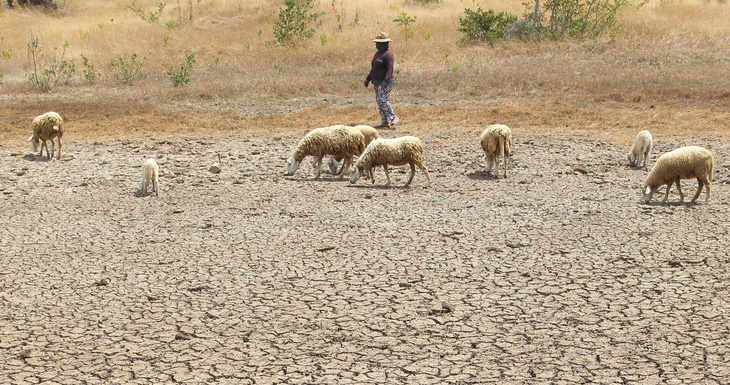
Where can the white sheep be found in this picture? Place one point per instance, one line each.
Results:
(47, 127)
(334, 140)
(642, 149)
(150, 173)
(682, 163)
(395, 152)
(370, 134)
(496, 141)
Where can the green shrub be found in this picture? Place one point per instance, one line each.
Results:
(578, 19)
(294, 19)
(45, 72)
(182, 77)
(127, 67)
(406, 22)
(150, 16)
(485, 26)
(89, 71)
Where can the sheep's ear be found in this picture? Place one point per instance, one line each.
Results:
(647, 190)
(31, 138)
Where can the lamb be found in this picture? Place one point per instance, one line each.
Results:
(496, 141)
(339, 140)
(642, 148)
(47, 127)
(682, 163)
(396, 152)
(150, 173)
(370, 134)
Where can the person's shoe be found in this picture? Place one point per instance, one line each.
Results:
(384, 126)
(394, 121)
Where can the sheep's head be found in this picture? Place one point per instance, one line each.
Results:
(356, 174)
(632, 159)
(35, 141)
(649, 191)
(291, 166)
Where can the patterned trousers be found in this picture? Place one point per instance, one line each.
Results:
(382, 93)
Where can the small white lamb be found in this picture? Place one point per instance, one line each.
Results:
(642, 149)
(395, 152)
(47, 127)
(682, 163)
(150, 173)
(496, 142)
(370, 134)
(334, 140)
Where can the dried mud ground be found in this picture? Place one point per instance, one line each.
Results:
(557, 274)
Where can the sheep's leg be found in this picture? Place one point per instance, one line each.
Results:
(425, 171)
(489, 163)
(413, 173)
(504, 156)
(708, 186)
(666, 194)
(43, 145)
(346, 163)
(681, 196)
(371, 175)
(699, 189)
(154, 185)
(387, 176)
(53, 148)
(59, 147)
(318, 163)
(505, 164)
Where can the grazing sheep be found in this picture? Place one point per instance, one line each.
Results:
(395, 152)
(335, 141)
(46, 127)
(496, 141)
(682, 163)
(642, 148)
(150, 172)
(370, 134)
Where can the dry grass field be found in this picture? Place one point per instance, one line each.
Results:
(237, 274)
(665, 71)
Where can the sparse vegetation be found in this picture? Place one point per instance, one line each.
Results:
(182, 76)
(127, 68)
(47, 71)
(293, 26)
(407, 22)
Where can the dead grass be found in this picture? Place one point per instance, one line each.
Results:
(666, 71)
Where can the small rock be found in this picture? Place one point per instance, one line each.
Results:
(215, 169)
(17, 153)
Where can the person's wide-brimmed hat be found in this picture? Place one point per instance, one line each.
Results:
(382, 38)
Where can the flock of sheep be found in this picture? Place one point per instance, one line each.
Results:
(342, 143)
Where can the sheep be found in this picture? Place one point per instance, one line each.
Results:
(396, 152)
(334, 140)
(46, 127)
(150, 173)
(370, 134)
(642, 148)
(682, 163)
(496, 141)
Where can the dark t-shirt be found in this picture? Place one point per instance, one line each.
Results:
(381, 68)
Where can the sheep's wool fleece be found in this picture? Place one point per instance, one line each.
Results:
(490, 139)
(397, 151)
(43, 125)
(335, 140)
(370, 133)
(685, 163)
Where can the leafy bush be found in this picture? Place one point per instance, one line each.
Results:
(424, 2)
(149, 16)
(182, 77)
(47, 72)
(404, 20)
(127, 67)
(89, 71)
(294, 19)
(485, 26)
(579, 19)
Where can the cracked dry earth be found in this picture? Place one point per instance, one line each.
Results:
(556, 275)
